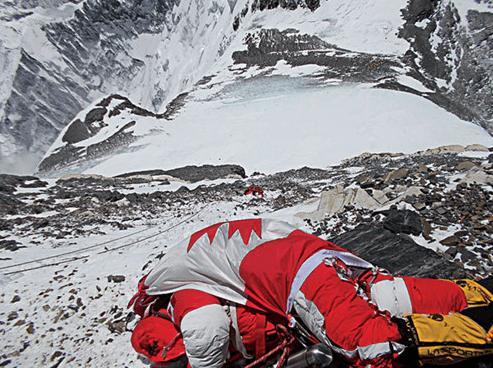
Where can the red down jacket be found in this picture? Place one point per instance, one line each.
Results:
(274, 268)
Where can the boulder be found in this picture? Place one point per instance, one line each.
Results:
(477, 176)
(107, 195)
(335, 200)
(477, 148)
(465, 165)
(193, 173)
(403, 222)
(397, 253)
(116, 278)
(453, 148)
(450, 241)
(396, 175)
(11, 245)
(9, 204)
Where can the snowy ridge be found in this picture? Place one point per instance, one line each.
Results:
(101, 129)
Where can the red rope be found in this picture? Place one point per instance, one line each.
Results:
(285, 346)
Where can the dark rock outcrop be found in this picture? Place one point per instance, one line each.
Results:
(94, 46)
(441, 48)
(85, 127)
(268, 46)
(397, 253)
(403, 222)
(194, 174)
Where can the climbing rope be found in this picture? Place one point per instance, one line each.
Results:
(95, 246)
(285, 346)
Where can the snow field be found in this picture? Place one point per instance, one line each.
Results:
(270, 132)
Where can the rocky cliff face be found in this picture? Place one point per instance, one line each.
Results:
(59, 56)
(451, 48)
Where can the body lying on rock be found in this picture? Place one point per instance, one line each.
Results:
(241, 289)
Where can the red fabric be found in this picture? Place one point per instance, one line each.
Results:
(140, 300)
(269, 269)
(254, 190)
(260, 347)
(245, 227)
(432, 296)
(152, 335)
(210, 231)
(185, 301)
(428, 296)
(350, 321)
(248, 324)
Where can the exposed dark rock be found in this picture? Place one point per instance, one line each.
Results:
(8, 183)
(15, 299)
(95, 115)
(12, 315)
(403, 222)
(365, 181)
(469, 94)
(116, 278)
(9, 205)
(11, 245)
(174, 107)
(94, 121)
(107, 195)
(272, 4)
(286, 4)
(194, 173)
(116, 327)
(76, 132)
(268, 46)
(397, 253)
(94, 46)
(451, 241)
(396, 175)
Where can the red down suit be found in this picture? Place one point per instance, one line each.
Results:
(274, 268)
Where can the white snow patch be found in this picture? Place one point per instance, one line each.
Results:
(283, 68)
(413, 83)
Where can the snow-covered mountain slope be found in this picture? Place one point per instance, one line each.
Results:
(426, 214)
(101, 130)
(276, 123)
(60, 56)
(57, 57)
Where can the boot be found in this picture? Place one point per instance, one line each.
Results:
(477, 293)
(453, 338)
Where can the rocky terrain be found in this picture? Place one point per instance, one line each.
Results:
(450, 49)
(73, 248)
(152, 53)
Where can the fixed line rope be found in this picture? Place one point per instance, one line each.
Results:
(97, 245)
(47, 265)
(75, 251)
